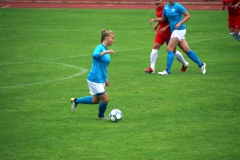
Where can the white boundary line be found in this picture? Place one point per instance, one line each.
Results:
(82, 70)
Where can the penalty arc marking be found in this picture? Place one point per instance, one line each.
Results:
(82, 71)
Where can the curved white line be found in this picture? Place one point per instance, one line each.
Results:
(82, 71)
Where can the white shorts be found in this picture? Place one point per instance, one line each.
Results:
(96, 88)
(179, 34)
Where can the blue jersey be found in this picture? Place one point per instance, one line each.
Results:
(98, 72)
(174, 15)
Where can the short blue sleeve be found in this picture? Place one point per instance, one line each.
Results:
(181, 9)
(97, 52)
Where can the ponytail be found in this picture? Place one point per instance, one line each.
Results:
(105, 33)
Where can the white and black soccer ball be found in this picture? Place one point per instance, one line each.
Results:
(115, 115)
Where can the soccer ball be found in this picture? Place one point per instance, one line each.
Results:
(115, 115)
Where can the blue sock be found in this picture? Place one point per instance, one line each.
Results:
(84, 100)
(170, 59)
(193, 56)
(102, 109)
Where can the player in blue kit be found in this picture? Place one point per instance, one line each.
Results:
(97, 78)
(173, 11)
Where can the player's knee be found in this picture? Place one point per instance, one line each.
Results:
(156, 46)
(186, 50)
(169, 48)
(105, 101)
(96, 101)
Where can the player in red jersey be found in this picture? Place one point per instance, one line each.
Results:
(233, 17)
(163, 35)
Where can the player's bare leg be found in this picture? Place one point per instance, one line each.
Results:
(192, 55)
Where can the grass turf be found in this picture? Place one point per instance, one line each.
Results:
(45, 55)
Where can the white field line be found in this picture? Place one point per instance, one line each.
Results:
(82, 70)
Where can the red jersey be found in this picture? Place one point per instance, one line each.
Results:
(232, 12)
(165, 36)
(159, 11)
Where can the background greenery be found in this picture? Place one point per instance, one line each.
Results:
(45, 55)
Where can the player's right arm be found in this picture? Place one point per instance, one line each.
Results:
(161, 19)
(164, 28)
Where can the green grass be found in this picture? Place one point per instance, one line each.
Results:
(45, 55)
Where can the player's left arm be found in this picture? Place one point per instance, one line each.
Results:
(185, 19)
(107, 52)
(107, 83)
(156, 26)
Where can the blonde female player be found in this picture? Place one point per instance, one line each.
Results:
(163, 35)
(97, 78)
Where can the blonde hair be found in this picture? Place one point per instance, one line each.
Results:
(105, 33)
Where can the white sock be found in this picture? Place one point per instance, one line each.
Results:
(178, 55)
(153, 58)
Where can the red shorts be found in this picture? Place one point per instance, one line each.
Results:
(162, 37)
(234, 22)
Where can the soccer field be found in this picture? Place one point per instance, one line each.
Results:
(45, 56)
